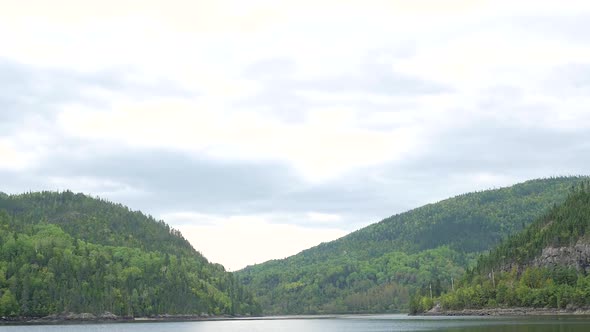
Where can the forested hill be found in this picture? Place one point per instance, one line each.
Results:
(544, 266)
(375, 269)
(97, 221)
(470, 222)
(63, 252)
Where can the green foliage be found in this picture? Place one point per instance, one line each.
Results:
(379, 285)
(516, 281)
(8, 304)
(97, 221)
(68, 252)
(561, 225)
(405, 254)
(536, 287)
(420, 304)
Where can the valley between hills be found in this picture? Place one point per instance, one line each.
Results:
(65, 252)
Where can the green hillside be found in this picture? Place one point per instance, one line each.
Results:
(63, 252)
(525, 275)
(377, 268)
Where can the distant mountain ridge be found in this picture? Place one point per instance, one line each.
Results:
(375, 269)
(62, 252)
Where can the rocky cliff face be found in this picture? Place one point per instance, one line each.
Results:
(577, 256)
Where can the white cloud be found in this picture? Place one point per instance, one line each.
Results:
(496, 73)
(478, 61)
(323, 218)
(11, 158)
(325, 146)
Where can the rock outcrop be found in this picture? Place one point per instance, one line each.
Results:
(577, 256)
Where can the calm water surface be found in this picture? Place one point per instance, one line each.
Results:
(378, 323)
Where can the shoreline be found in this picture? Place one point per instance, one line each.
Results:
(519, 311)
(87, 318)
(90, 319)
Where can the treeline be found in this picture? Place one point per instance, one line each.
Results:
(45, 270)
(347, 285)
(509, 276)
(408, 253)
(535, 287)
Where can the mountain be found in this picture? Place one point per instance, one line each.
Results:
(63, 252)
(377, 268)
(544, 266)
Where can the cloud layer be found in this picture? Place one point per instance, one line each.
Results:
(274, 127)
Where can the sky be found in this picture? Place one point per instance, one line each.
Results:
(262, 128)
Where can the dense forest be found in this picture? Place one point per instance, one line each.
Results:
(63, 252)
(515, 273)
(378, 268)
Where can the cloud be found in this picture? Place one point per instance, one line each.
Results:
(10, 158)
(28, 90)
(234, 118)
(159, 181)
(323, 146)
(569, 81)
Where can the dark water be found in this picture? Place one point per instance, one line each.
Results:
(379, 323)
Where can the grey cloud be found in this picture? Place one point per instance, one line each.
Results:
(571, 80)
(26, 89)
(170, 181)
(281, 91)
(502, 150)
(374, 77)
(165, 181)
(572, 28)
(278, 97)
(160, 182)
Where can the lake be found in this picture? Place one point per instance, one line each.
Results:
(373, 323)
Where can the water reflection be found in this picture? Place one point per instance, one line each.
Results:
(380, 323)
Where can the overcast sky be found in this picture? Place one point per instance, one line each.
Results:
(261, 128)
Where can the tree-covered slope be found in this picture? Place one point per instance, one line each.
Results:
(376, 268)
(96, 220)
(64, 252)
(545, 265)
